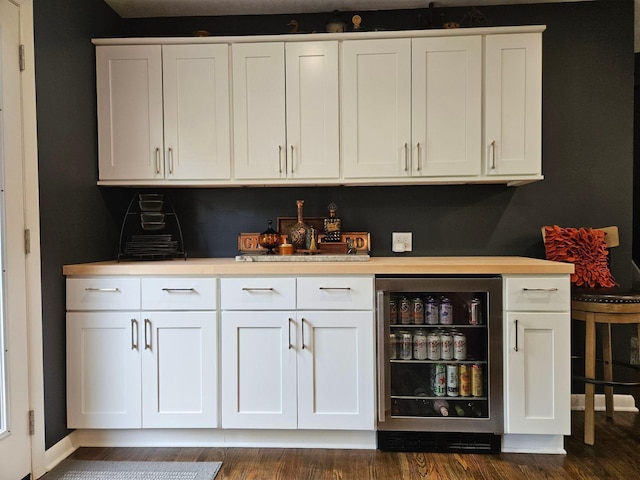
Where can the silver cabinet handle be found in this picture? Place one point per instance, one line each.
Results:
(334, 288)
(147, 340)
(158, 161)
(525, 289)
(134, 336)
(516, 347)
(291, 158)
(406, 157)
(92, 289)
(289, 325)
(258, 289)
(419, 147)
(280, 160)
(493, 155)
(171, 290)
(303, 345)
(170, 161)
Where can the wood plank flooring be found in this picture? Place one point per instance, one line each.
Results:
(615, 455)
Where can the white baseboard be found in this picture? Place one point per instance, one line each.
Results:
(61, 450)
(546, 444)
(621, 403)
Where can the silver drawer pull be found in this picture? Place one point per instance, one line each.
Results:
(525, 289)
(334, 288)
(91, 289)
(169, 290)
(258, 289)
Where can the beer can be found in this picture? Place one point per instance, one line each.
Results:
(433, 346)
(393, 346)
(405, 352)
(446, 346)
(420, 345)
(417, 311)
(474, 312)
(476, 380)
(393, 312)
(452, 381)
(431, 311)
(459, 346)
(404, 311)
(439, 380)
(445, 311)
(465, 380)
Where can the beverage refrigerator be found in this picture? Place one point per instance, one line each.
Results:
(440, 363)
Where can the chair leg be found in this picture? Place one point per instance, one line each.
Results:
(608, 367)
(589, 372)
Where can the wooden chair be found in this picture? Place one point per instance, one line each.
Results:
(602, 308)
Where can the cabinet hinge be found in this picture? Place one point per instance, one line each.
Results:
(27, 241)
(21, 57)
(32, 422)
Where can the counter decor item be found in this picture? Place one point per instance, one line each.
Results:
(298, 233)
(269, 239)
(332, 225)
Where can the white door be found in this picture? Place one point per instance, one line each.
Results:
(103, 369)
(335, 370)
(179, 370)
(259, 136)
(197, 113)
(15, 442)
(513, 104)
(447, 102)
(130, 133)
(313, 144)
(376, 108)
(259, 369)
(538, 376)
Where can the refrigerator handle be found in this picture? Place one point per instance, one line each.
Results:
(382, 370)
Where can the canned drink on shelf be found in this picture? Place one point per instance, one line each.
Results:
(420, 345)
(433, 346)
(452, 381)
(417, 311)
(459, 346)
(393, 346)
(445, 311)
(464, 380)
(474, 312)
(431, 311)
(476, 381)
(439, 380)
(393, 312)
(404, 311)
(405, 350)
(446, 346)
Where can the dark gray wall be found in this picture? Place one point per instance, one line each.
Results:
(588, 68)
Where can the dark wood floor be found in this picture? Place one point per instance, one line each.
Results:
(616, 455)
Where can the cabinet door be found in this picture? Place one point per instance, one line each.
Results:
(446, 101)
(259, 110)
(513, 104)
(179, 370)
(537, 373)
(259, 370)
(376, 108)
(336, 370)
(196, 112)
(103, 370)
(313, 148)
(130, 133)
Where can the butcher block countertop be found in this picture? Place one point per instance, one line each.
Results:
(470, 265)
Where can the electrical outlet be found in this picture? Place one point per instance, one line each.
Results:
(401, 241)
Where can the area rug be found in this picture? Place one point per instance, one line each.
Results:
(71, 469)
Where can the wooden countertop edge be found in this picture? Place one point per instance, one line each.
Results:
(471, 265)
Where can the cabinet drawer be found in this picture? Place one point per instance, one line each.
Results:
(267, 293)
(537, 293)
(103, 293)
(179, 293)
(335, 293)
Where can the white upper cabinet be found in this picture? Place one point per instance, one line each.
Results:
(376, 108)
(447, 101)
(513, 104)
(285, 102)
(163, 112)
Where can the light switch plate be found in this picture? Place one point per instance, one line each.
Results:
(401, 242)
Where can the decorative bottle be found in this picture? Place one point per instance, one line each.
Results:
(298, 233)
(332, 225)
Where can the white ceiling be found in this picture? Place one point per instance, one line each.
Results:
(188, 8)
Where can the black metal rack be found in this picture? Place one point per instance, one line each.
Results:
(150, 230)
